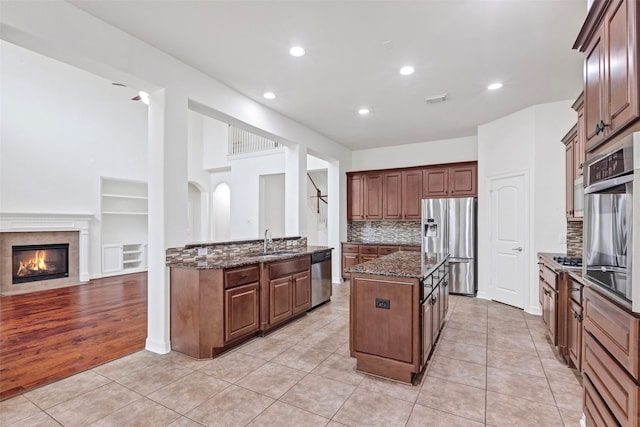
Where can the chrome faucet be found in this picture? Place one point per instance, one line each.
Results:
(267, 240)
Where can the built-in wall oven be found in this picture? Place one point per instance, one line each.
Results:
(608, 221)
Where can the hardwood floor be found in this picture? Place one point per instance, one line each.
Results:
(49, 335)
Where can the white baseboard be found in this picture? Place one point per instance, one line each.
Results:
(158, 347)
(483, 295)
(534, 310)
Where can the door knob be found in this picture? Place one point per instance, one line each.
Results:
(519, 249)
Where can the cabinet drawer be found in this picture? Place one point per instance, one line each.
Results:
(594, 408)
(575, 291)
(386, 250)
(290, 266)
(549, 276)
(368, 250)
(614, 385)
(241, 276)
(617, 330)
(349, 248)
(411, 248)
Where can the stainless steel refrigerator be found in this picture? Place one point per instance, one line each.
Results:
(449, 226)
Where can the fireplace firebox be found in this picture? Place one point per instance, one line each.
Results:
(39, 262)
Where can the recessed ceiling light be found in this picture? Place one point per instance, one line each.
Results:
(407, 70)
(494, 86)
(363, 111)
(269, 95)
(297, 51)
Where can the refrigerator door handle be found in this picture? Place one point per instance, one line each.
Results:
(458, 260)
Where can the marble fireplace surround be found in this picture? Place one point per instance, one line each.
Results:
(30, 228)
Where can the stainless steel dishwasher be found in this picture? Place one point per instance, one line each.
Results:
(320, 277)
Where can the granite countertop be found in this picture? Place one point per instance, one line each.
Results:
(548, 256)
(401, 264)
(240, 259)
(387, 243)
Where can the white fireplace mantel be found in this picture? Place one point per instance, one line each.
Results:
(34, 222)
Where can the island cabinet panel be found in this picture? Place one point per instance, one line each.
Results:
(242, 306)
(197, 307)
(301, 288)
(392, 195)
(412, 194)
(427, 330)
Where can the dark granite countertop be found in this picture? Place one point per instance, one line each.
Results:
(355, 242)
(548, 256)
(240, 259)
(401, 264)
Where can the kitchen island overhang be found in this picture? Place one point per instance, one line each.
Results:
(397, 306)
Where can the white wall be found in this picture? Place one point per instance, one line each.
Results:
(61, 129)
(271, 206)
(526, 141)
(215, 143)
(423, 153)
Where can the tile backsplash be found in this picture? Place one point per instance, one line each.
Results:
(401, 232)
(574, 239)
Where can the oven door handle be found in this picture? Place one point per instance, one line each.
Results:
(613, 182)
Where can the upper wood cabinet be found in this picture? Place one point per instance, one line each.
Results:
(579, 144)
(435, 182)
(572, 151)
(373, 195)
(412, 194)
(609, 39)
(396, 194)
(463, 181)
(392, 195)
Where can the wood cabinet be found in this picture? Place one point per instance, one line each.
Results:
(435, 183)
(570, 145)
(392, 195)
(349, 258)
(396, 194)
(412, 194)
(213, 309)
(611, 361)
(355, 196)
(373, 196)
(286, 290)
(579, 144)
(609, 39)
(548, 282)
(574, 334)
(463, 181)
(427, 329)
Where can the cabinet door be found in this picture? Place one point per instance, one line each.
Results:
(412, 194)
(435, 300)
(280, 299)
(348, 260)
(435, 182)
(427, 331)
(444, 299)
(620, 62)
(578, 148)
(574, 334)
(463, 181)
(242, 312)
(365, 258)
(593, 91)
(551, 313)
(301, 292)
(355, 197)
(373, 196)
(112, 258)
(392, 195)
(569, 180)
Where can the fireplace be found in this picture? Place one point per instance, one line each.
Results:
(30, 263)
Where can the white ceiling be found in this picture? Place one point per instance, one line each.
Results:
(457, 47)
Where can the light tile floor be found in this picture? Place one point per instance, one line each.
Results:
(492, 366)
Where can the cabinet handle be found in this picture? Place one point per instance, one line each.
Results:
(597, 128)
(581, 165)
(573, 289)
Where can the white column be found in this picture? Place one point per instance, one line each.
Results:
(168, 200)
(295, 191)
(336, 190)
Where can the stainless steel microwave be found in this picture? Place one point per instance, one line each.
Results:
(608, 222)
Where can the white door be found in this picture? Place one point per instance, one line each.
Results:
(509, 225)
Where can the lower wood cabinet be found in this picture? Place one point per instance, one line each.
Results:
(549, 315)
(574, 334)
(354, 253)
(288, 292)
(427, 331)
(242, 311)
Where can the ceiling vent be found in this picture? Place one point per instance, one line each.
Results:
(435, 98)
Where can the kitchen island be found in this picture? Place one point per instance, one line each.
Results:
(223, 294)
(397, 307)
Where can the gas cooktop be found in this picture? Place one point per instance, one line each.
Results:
(568, 261)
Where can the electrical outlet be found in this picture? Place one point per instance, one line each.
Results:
(202, 251)
(383, 303)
